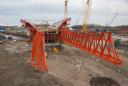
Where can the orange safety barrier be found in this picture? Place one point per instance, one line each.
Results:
(99, 44)
(38, 59)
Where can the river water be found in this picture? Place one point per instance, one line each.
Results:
(11, 37)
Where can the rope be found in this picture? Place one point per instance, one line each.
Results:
(81, 12)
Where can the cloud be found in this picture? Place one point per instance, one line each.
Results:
(13, 10)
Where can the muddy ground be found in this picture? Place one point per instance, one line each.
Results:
(71, 67)
(15, 69)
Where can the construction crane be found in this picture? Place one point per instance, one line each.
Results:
(87, 10)
(114, 17)
(65, 9)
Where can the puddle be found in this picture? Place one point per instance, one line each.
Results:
(17, 48)
(14, 37)
(14, 49)
(103, 81)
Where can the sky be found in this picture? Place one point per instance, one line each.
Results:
(102, 12)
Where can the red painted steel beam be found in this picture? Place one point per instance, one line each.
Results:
(30, 27)
(99, 44)
(38, 59)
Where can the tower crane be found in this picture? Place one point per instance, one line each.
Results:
(87, 10)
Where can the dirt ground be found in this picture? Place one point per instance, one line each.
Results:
(71, 67)
(15, 69)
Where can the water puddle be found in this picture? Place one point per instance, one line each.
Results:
(103, 81)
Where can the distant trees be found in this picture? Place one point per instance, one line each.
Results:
(99, 28)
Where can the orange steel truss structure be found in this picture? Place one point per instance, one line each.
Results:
(99, 44)
(38, 59)
(31, 28)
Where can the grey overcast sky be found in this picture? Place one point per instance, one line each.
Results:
(11, 11)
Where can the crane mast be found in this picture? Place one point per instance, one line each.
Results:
(114, 17)
(87, 10)
(65, 9)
